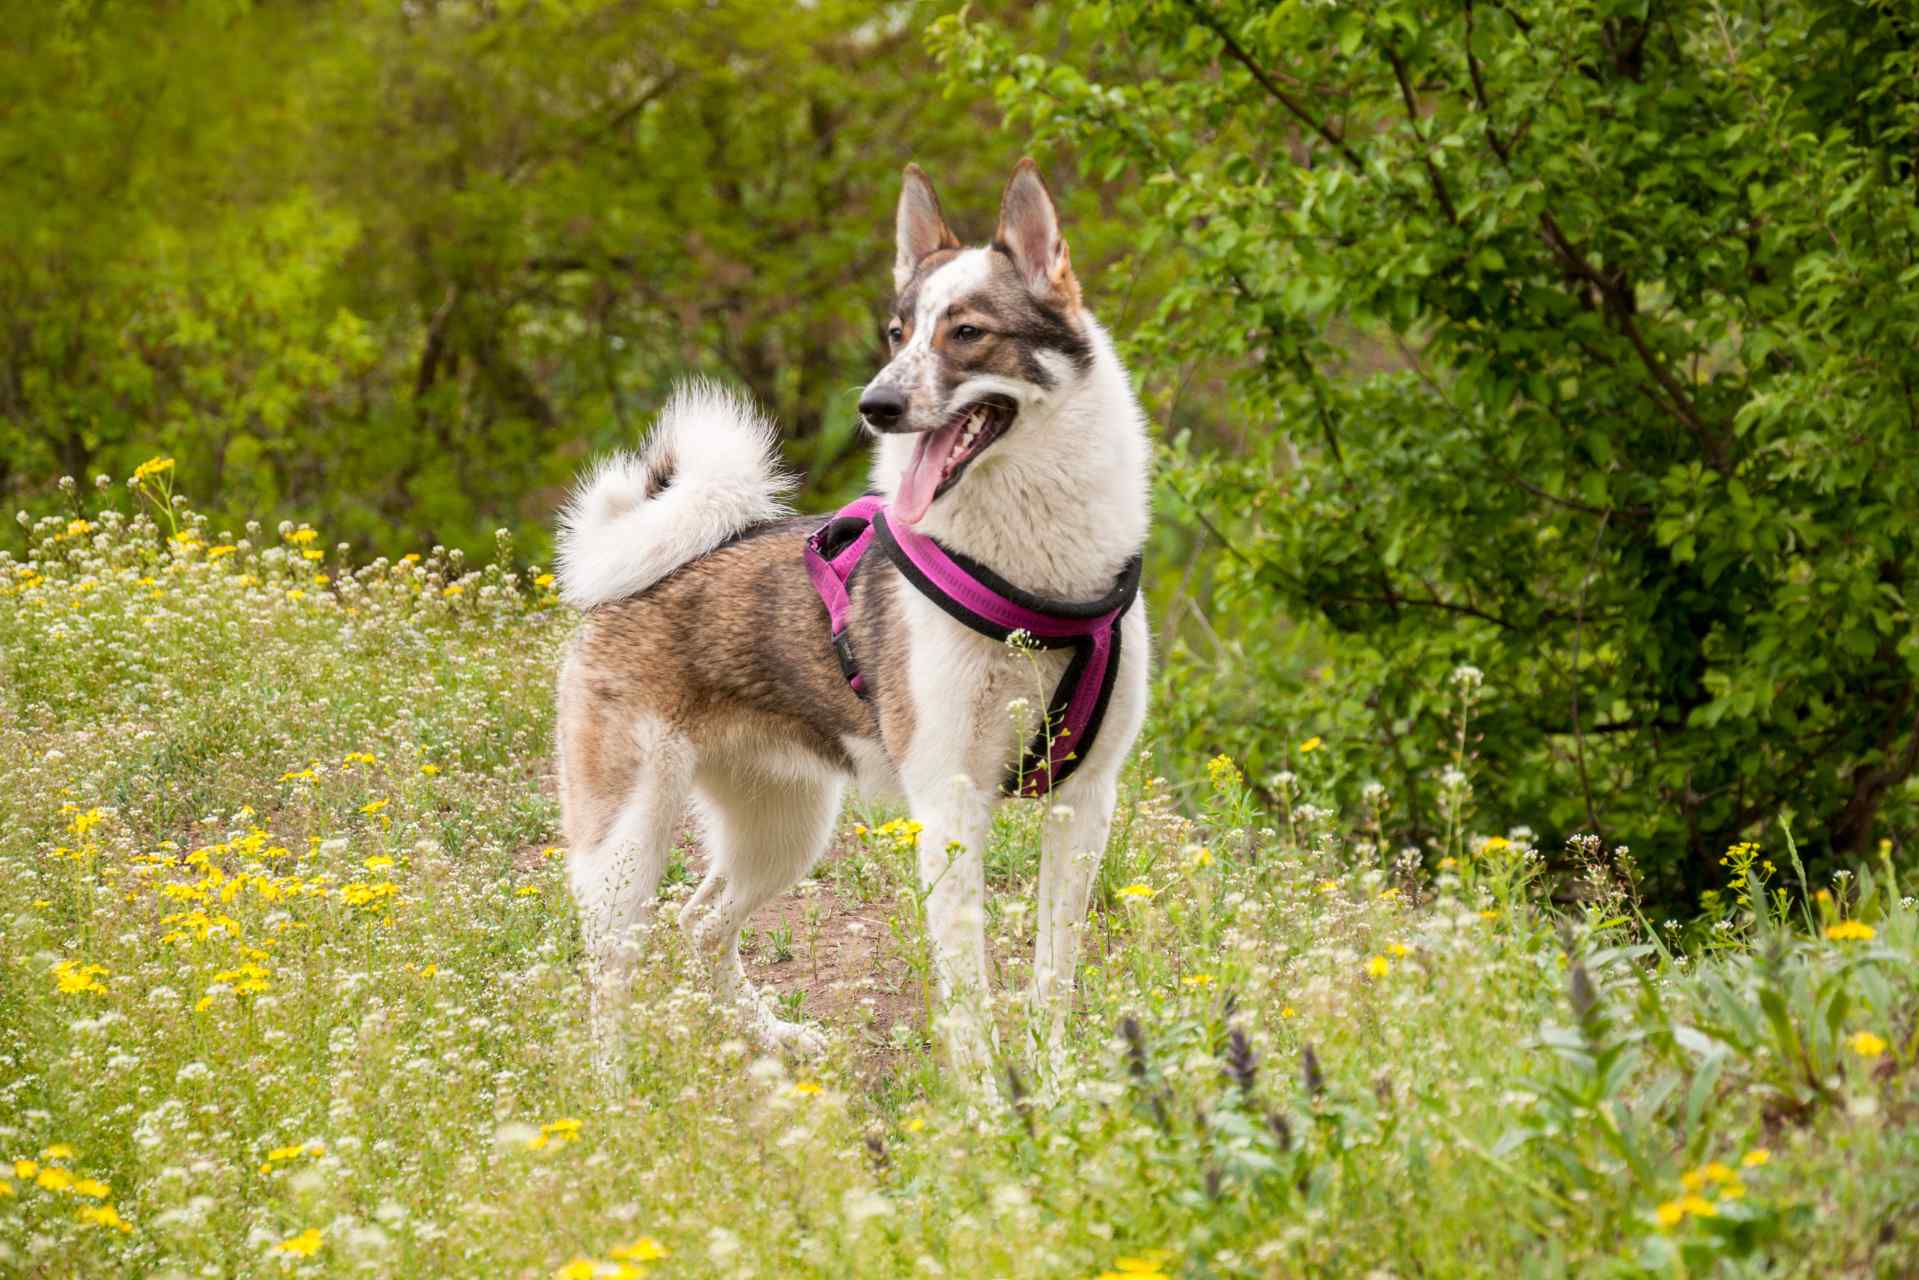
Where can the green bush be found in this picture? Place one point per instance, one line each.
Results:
(1578, 344)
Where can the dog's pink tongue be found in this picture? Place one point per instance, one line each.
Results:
(922, 476)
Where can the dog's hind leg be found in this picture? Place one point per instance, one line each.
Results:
(763, 834)
(624, 786)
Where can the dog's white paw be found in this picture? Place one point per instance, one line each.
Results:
(792, 1037)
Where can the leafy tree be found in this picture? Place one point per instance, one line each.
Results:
(1579, 342)
(398, 268)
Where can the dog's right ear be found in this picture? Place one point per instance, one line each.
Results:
(920, 228)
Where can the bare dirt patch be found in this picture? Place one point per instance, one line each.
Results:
(837, 957)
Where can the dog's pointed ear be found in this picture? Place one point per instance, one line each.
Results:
(1029, 234)
(919, 226)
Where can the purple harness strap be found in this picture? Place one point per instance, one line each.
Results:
(831, 566)
(975, 596)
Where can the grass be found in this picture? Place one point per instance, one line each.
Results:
(290, 984)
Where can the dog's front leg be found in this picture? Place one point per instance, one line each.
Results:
(1072, 842)
(955, 817)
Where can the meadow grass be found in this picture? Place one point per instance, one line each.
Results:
(290, 985)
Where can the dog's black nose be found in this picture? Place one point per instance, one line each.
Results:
(883, 407)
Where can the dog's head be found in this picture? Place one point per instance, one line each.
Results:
(982, 340)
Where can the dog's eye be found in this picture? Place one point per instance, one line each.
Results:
(968, 332)
(895, 333)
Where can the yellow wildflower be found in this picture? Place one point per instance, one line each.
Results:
(1198, 979)
(1866, 1044)
(915, 1125)
(378, 862)
(304, 1245)
(806, 1089)
(544, 581)
(563, 1130)
(429, 769)
(1670, 1214)
(644, 1249)
(1756, 1157)
(92, 1189)
(152, 467)
(580, 1268)
(73, 978)
(1311, 745)
(1223, 772)
(1398, 949)
(1136, 890)
(1147, 1264)
(373, 806)
(54, 1178)
(58, 1151)
(1850, 931)
(1289, 1012)
(6, 1188)
(1378, 967)
(25, 1169)
(105, 1215)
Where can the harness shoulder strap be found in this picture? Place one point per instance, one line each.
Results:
(832, 553)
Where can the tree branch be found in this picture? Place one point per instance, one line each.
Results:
(1614, 289)
(1412, 117)
(1279, 95)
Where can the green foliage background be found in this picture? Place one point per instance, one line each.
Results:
(1572, 342)
(400, 268)
(1581, 340)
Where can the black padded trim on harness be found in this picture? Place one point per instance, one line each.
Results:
(1125, 588)
(1039, 749)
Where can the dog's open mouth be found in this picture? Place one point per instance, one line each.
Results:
(941, 455)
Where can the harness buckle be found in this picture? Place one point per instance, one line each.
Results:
(843, 648)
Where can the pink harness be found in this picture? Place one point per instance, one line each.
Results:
(978, 598)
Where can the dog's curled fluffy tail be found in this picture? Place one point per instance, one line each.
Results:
(707, 471)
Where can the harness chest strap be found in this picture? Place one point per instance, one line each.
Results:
(980, 600)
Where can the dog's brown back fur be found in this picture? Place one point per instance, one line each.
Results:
(734, 643)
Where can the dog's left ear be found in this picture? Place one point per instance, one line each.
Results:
(1029, 234)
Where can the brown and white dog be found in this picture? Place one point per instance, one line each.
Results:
(705, 675)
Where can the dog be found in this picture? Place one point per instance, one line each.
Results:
(707, 674)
